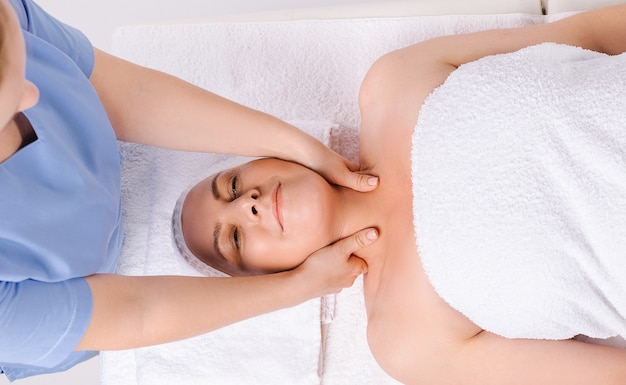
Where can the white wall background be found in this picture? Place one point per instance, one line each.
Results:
(97, 19)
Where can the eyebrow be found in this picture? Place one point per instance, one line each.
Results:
(218, 226)
(216, 232)
(214, 189)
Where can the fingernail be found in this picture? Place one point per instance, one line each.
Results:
(372, 181)
(371, 235)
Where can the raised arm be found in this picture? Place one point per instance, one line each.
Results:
(495, 360)
(487, 359)
(132, 312)
(154, 108)
(601, 30)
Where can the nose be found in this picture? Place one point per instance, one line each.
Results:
(30, 97)
(252, 206)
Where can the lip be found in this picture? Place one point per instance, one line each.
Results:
(277, 203)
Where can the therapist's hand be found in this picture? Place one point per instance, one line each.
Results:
(338, 170)
(335, 267)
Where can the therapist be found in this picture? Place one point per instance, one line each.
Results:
(63, 105)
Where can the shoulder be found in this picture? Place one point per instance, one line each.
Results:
(397, 84)
(406, 76)
(391, 96)
(42, 29)
(413, 334)
(416, 357)
(27, 305)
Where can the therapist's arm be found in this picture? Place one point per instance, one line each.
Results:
(132, 312)
(154, 108)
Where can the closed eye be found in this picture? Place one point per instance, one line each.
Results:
(233, 188)
(236, 238)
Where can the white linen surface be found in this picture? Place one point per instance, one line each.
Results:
(307, 70)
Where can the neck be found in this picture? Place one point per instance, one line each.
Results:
(357, 211)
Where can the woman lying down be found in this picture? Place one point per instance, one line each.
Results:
(510, 239)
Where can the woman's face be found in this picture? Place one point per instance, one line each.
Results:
(16, 93)
(262, 217)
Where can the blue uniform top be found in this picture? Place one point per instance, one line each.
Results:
(60, 214)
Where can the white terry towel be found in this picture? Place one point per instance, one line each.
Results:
(519, 181)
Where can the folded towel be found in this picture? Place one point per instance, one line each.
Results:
(519, 178)
(310, 70)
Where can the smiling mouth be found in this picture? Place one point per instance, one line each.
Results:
(277, 201)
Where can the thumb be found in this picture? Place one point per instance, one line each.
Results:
(357, 241)
(358, 181)
(362, 182)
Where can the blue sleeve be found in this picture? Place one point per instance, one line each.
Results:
(41, 324)
(33, 19)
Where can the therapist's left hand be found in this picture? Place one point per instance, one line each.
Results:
(338, 170)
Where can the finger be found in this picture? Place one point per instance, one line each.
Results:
(366, 182)
(357, 241)
(360, 182)
(359, 264)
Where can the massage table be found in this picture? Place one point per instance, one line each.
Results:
(304, 66)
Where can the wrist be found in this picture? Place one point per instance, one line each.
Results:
(311, 153)
(302, 286)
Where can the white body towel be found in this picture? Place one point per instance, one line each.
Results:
(519, 182)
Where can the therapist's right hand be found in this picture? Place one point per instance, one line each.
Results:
(336, 266)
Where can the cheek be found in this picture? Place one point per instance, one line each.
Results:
(310, 205)
(276, 254)
(315, 224)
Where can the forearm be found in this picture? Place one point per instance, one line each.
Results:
(541, 362)
(492, 360)
(140, 311)
(154, 108)
(601, 30)
(133, 312)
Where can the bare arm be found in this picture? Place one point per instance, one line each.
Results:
(601, 30)
(154, 108)
(133, 312)
(488, 359)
